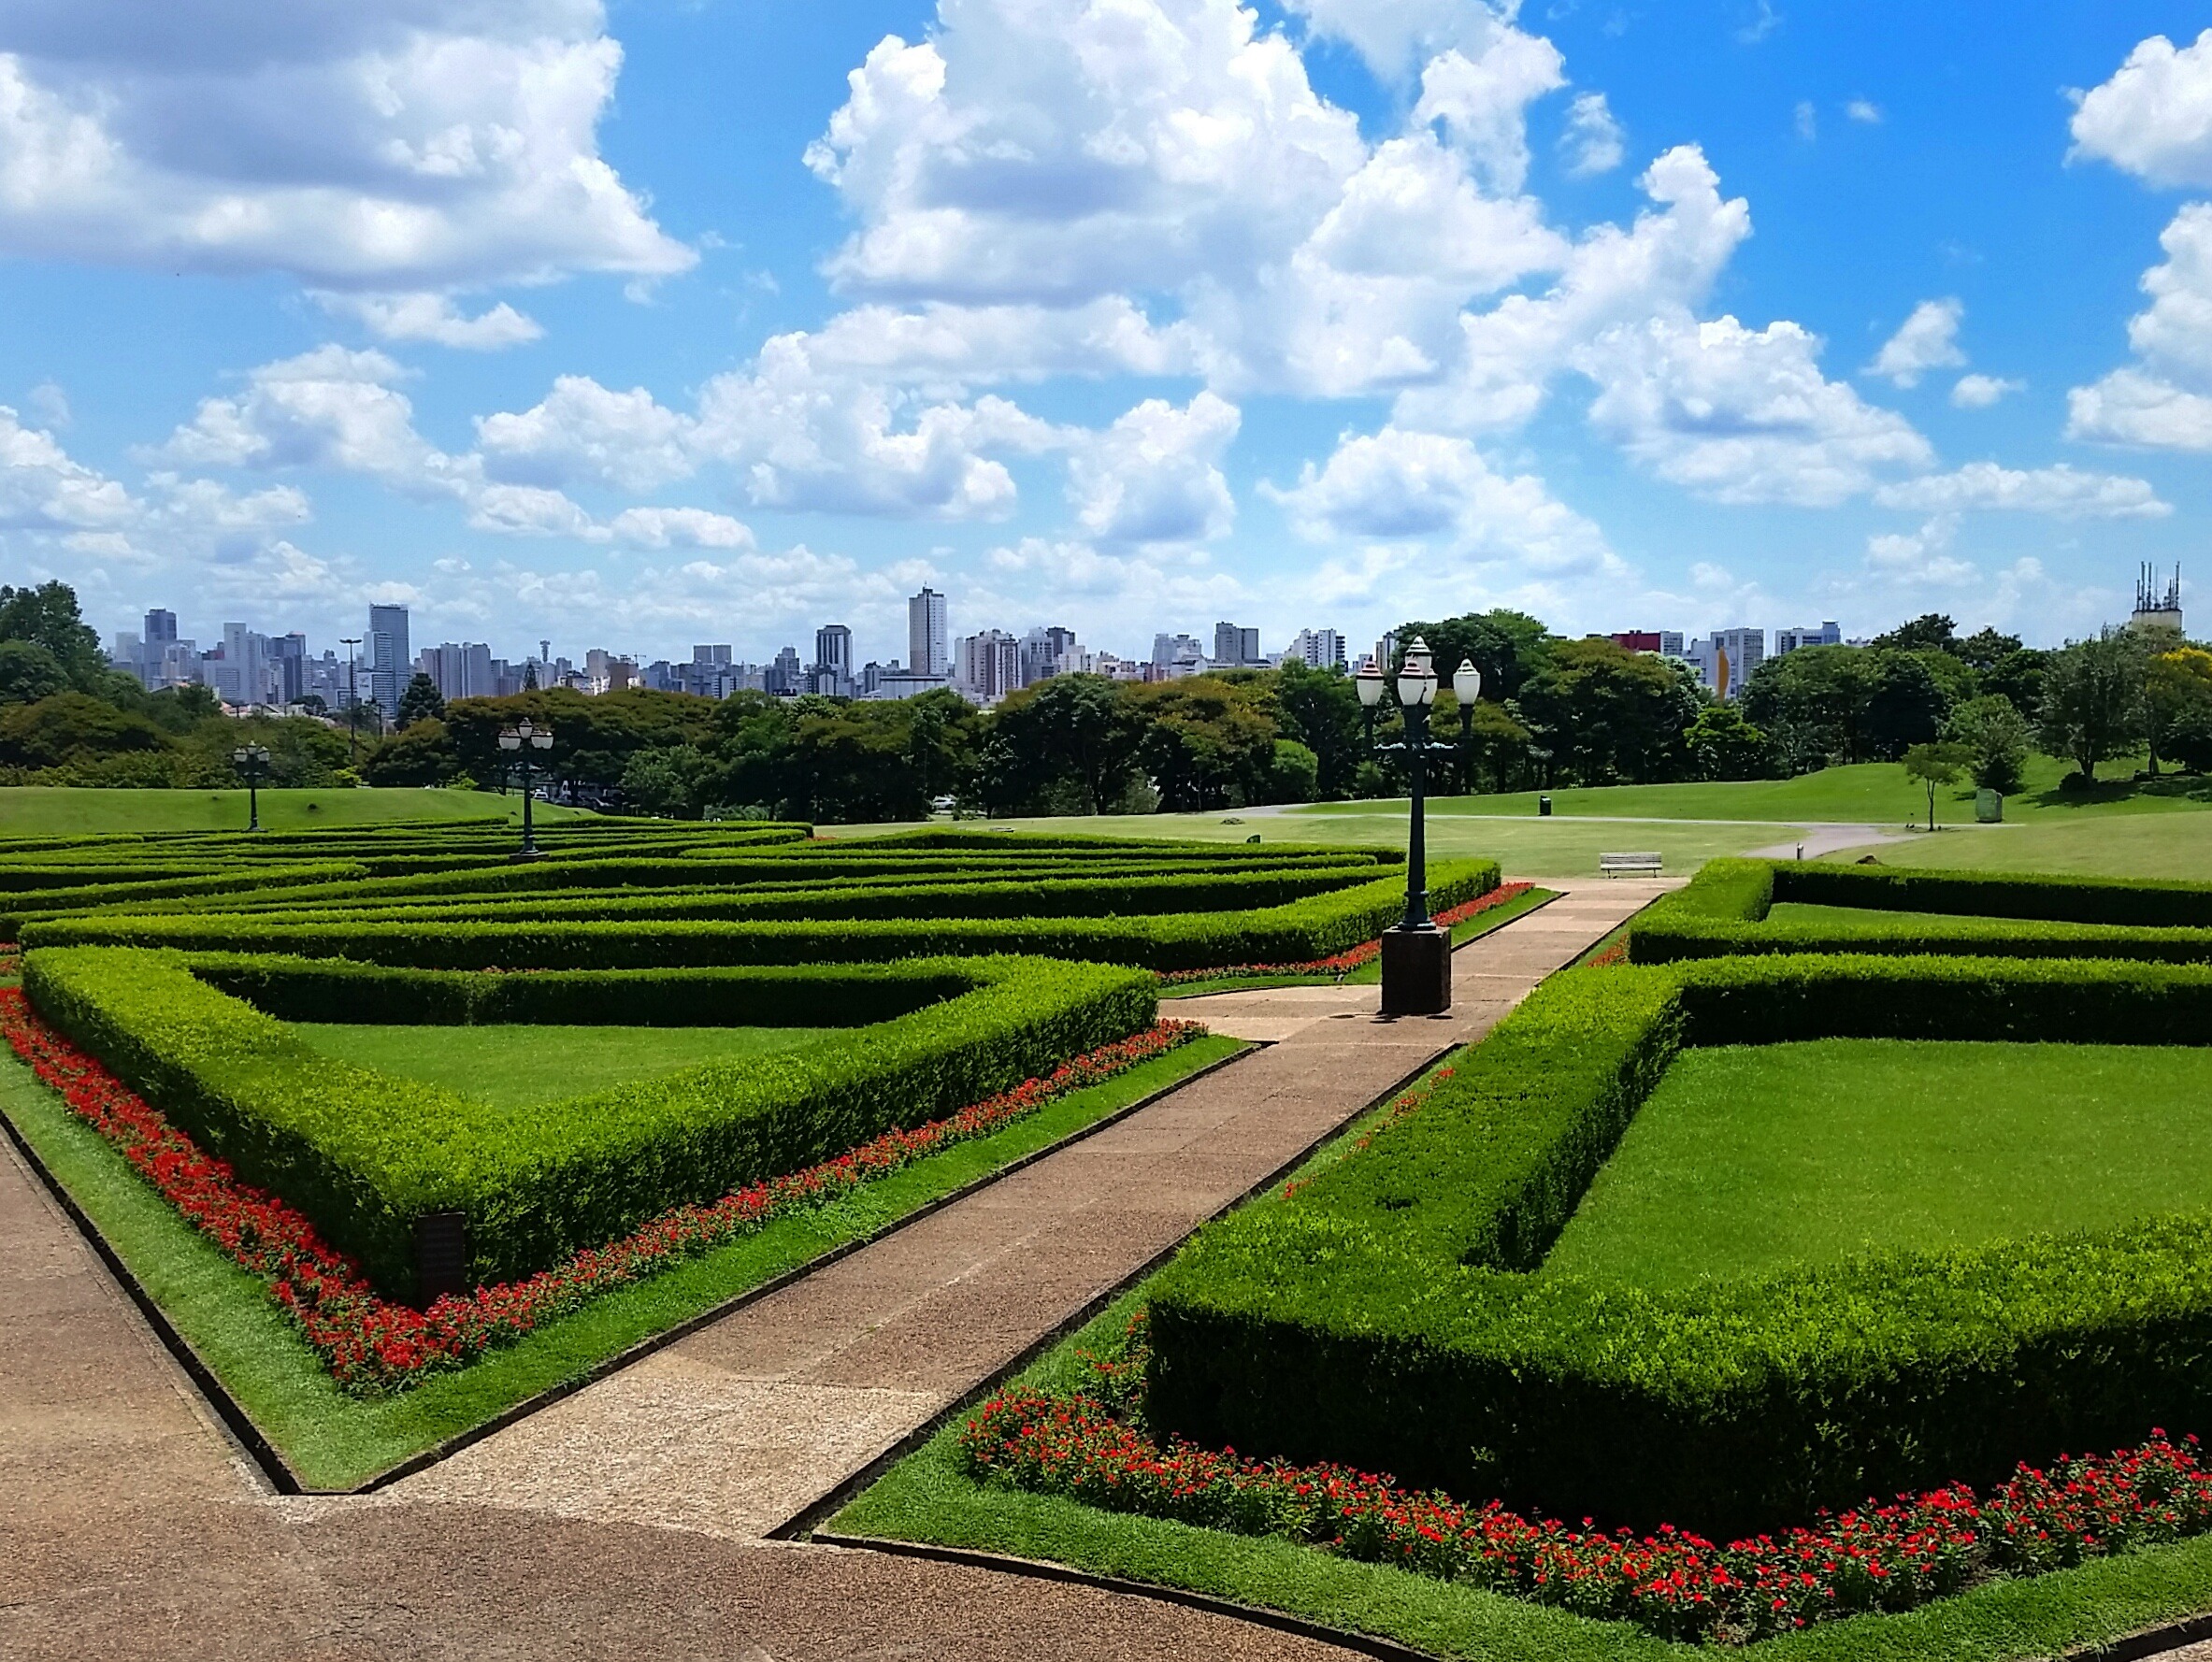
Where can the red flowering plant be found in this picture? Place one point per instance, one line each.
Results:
(373, 1346)
(1352, 958)
(1089, 1445)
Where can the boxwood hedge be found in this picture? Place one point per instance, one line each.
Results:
(363, 1154)
(1393, 1313)
(1724, 910)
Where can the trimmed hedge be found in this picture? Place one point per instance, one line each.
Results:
(19, 907)
(1380, 1315)
(1724, 908)
(362, 1154)
(1294, 933)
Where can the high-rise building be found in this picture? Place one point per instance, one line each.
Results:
(243, 676)
(1318, 649)
(161, 627)
(783, 676)
(710, 655)
(461, 670)
(388, 657)
(1788, 641)
(1045, 651)
(1171, 650)
(987, 665)
(1386, 652)
(288, 664)
(1726, 659)
(1234, 645)
(833, 660)
(929, 645)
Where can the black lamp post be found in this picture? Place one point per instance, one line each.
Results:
(353, 700)
(1467, 686)
(522, 741)
(1416, 954)
(251, 760)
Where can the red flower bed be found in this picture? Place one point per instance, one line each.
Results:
(1615, 954)
(1088, 1446)
(372, 1345)
(1350, 959)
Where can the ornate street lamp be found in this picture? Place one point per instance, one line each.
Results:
(1467, 686)
(1416, 954)
(251, 760)
(523, 741)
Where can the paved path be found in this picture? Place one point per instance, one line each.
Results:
(625, 1522)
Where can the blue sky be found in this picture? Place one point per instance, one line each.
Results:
(659, 324)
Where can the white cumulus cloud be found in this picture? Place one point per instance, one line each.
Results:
(2164, 399)
(1593, 141)
(2068, 492)
(1928, 339)
(1979, 392)
(1154, 475)
(2154, 116)
(435, 318)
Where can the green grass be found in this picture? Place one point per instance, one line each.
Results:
(56, 811)
(1750, 1157)
(927, 1498)
(333, 1440)
(2163, 845)
(1806, 911)
(515, 1066)
(1529, 847)
(1372, 973)
(1869, 793)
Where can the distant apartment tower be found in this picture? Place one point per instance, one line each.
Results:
(1318, 649)
(461, 670)
(161, 628)
(1725, 660)
(1386, 652)
(1788, 641)
(987, 665)
(1235, 645)
(388, 657)
(1045, 652)
(833, 660)
(783, 676)
(288, 661)
(928, 647)
(1168, 650)
(1636, 640)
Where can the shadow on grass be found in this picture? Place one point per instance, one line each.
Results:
(2176, 787)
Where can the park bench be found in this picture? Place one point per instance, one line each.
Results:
(1629, 864)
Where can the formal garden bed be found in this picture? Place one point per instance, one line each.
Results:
(398, 1132)
(1788, 1280)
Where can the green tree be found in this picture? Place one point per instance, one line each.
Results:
(1208, 743)
(2176, 700)
(421, 701)
(1073, 740)
(29, 672)
(1294, 775)
(672, 782)
(1935, 765)
(1984, 648)
(48, 616)
(72, 727)
(1508, 647)
(1929, 631)
(2019, 676)
(1724, 746)
(2092, 699)
(420, 753)
(1320, 709)
(1995, 738)
(1608, 715)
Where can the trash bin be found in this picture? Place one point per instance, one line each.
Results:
(1988, 808)
(1543, 806)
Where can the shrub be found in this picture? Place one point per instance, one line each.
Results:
(363, 1154)
(1375, 1314)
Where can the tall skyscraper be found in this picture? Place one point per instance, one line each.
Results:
(1234, 645)
(389, 659)
(928, 643)
(1320, 649)
(833, 660)
(161, 628)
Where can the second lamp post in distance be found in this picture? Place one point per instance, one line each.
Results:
(252, 760)
(525, 742)
(1416, 954)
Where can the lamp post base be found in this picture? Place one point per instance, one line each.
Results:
(1417, 971)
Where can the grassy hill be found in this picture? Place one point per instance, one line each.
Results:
(34, 811)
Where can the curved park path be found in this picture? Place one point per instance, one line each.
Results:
(636, 1517)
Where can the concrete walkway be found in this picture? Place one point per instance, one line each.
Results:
(628, 1520)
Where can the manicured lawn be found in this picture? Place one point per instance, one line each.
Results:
(333, 1440)
(54, 810)
(1749, 1157)
(1526, 848)
(1370, 973)
(1869, 792)
(2156, 845)
(514, 1066)
(1805, 911)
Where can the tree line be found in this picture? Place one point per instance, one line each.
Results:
(1554, 710)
